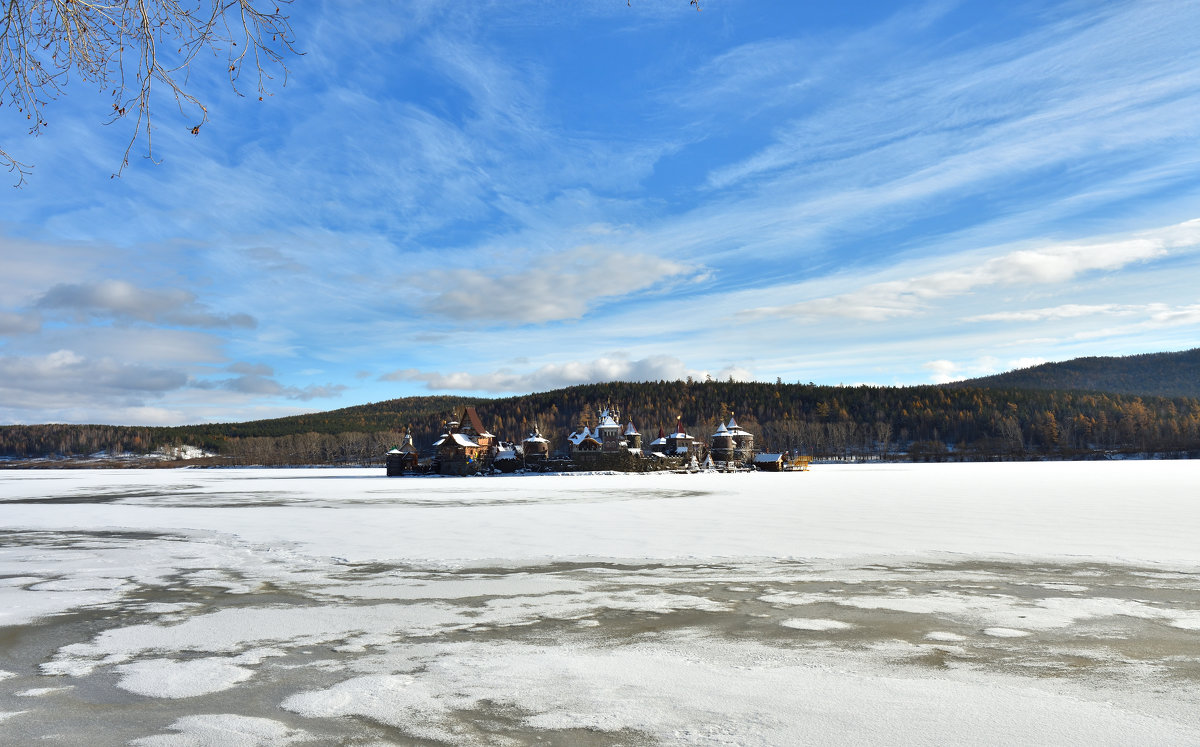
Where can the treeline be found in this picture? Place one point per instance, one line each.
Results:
(924, 422)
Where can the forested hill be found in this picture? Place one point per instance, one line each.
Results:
(863, 421)
(1161, 374)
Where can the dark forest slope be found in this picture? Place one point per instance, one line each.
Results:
(1158, 374)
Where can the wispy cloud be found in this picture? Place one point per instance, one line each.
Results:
(258, 379)
(1049, 265)
(615, 367)
(1065, 311)
(552, 288)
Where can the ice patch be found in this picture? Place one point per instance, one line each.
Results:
(802, 623)
(232, 629)
(1005, 632)
(164, 608)
(95, 583)
(938, 635)
(37, 692)
(997, 610)
(224, 730)
(398, 700)
(257, 655)
(167, 678)
(221, 580)
(22, 606)
(677, 689)
(1055, 586)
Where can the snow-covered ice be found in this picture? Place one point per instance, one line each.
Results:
(917, 604)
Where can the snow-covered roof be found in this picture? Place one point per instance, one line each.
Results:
(395, 451)
(532, 439)
(608, 422)
(575, 438)
(764, 457)
(506, 454)
(630, 430)
(721, 431)
(658, 442)
(735, 429)
(462, 440)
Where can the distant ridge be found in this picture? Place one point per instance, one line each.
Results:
(1150, 374)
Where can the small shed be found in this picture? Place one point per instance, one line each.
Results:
(768, 462)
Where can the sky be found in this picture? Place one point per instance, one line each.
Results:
(496, 198)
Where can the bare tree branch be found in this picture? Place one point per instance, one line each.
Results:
(132, 48)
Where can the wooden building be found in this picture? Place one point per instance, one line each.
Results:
(731, 446)
(535, 448)
(466, 447)
(403, 458)
(769, 462)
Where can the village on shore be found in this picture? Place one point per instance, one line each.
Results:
(468, 448)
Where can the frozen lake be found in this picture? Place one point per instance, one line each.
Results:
(1049, 603)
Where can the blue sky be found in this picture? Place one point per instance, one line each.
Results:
(497, 198)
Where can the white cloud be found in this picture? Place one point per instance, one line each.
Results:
(118, 299)
(557, 287)
(615, 367)
(1065, 311)
(16, 324)
(1158, 317)
(944, 371)
(258, 384)
(1052, 264)
(1179, 315)
(1155, 314)
(66, 379)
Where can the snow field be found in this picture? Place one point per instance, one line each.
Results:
(917, 604)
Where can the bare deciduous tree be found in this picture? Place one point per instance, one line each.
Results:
(132, 48)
